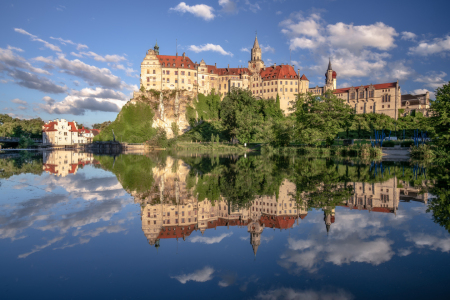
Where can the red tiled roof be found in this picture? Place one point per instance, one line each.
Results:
(279, 72)
(73, 127)
(177, 60)
(281, 222)
(50, 168)
(95, 132)
(170, 232)
(228, 71)
(74, 168)
(49, 127)
(303, 216)
(304, 77)
(376, 86)
(383, 209)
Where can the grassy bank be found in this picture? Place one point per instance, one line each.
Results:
(210, 148)
(362, 151)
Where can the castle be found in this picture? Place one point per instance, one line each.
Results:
(165, 72)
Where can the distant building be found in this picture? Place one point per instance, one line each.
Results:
(62, 163)
(417, 103)
(61, 132)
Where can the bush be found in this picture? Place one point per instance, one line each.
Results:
(132, 125)
(389, 144)
(407, 144)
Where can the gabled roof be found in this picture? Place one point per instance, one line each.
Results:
(279, 72)
(376, 86)
(169, 61)
(228, 71)
(49, 127)
(304, 77)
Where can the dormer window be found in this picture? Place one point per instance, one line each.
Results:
(174, 65)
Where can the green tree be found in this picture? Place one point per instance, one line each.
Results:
(440, 119)
(277, 102)
(320, 118)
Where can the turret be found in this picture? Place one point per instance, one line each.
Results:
(156, 48)
(330, 77)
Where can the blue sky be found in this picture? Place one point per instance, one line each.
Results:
(80, 60)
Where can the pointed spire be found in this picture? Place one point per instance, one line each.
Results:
(328, 228)
(256, 44)
(329, 64)
(255, 249)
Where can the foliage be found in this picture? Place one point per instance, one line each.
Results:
(132, 125)
(160, 139)
(134, 172)
(440, 119)
(320, 117)
(175, 129)
(15, 127)
(101, 126)
(26, 142)
(24, 162)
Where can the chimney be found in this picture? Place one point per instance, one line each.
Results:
(184, 55)
(274, 65)
(228, 66)
(215, 65)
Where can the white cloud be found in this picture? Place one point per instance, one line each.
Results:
(423, 91)
(200, 10)
(14, 48)
(253, 7)
(128, 71)
(106, 58)
(9, 59)
(209, 47)
(432, 79)
(91, 74)
(245, 50)
(296, 25)
(202, 275)
(35, 38)
(378, 35)
(425, 48)
(76, 105)
(408, 36)
(266, 48)
(228, 6)
(18, 101)
(278, 13)
(99, 93)
(64, 42)
(210, 240)
(36, 82)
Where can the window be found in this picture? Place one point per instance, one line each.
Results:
(291, 82)
(286, 83)
(352, 96)
(168, 81)
(285, 90)
(296, 90)
(176, 72)
(275, 89)
(371, 94)
(389, 106)
(361, 94)
(239, 84)
(382, 106)
(370, 108)
(182, 72)
(224, 86)
(195, 74)
(203, 76)
(291, 90)
(168, 72)
(189, 81)
(182, 80)
(154, 71)
(148, 79)
(361, 108)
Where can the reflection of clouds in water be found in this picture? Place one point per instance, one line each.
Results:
(210, 240)
(26, 214)
(67, 245)
(202, 275)
(289, 293)
(227, 280)
(39, 248)
(404, 252)
(425, 240)
(310, 254)
(80, 186)
(91, 213)
(99, 230)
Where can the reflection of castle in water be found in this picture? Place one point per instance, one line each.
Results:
(62, 163)
(170, 210)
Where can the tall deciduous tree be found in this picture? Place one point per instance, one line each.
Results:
(440, 121)
(320, 118)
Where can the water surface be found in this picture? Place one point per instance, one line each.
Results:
(77, 225)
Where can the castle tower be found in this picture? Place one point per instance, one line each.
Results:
(256, 64)
(329, 217)
(330, 78)
(255, 230)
